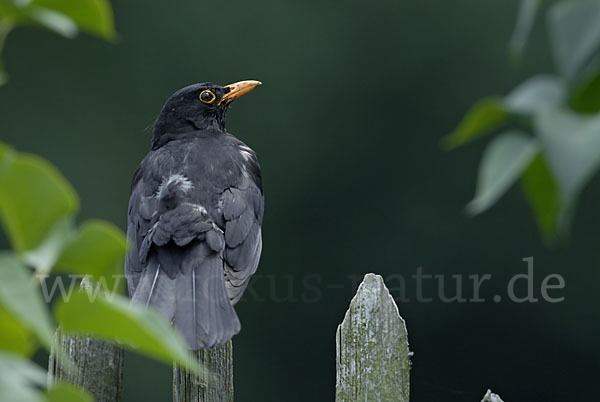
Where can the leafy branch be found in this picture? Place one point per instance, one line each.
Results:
(64, 17)
(547, 130)
(37, 212)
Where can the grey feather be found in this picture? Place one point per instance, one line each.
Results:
(237, 280)
(239, 257)
(156, 288)
(215, 240)
(194, 246)
(204, 315)
(237, 230)
(234, 203)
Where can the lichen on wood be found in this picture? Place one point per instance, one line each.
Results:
(491, 397)
(373, 359)
(97, 365)
(215, 385)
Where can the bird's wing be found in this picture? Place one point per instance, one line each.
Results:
(243, 208)
(138, 224)
(193, 263)
(175, 262)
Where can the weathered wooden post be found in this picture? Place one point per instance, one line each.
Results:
(215, 385)
(98, 366)
(373, 360)
(491, 397)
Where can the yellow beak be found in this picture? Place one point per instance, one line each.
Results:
(234, 91)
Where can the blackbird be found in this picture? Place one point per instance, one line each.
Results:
(195, 216)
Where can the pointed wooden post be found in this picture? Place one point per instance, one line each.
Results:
(98, 366)
(373, 360)
(216, 387)
(491, 397)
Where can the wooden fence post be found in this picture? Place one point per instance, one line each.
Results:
(373, 360)
(216, 386)
(491, 397)
(98, 366)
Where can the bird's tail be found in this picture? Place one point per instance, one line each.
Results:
(203, 312)
(156, 288)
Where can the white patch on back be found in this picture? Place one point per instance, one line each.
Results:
(246, 152)
(199, 208)
(177, 179)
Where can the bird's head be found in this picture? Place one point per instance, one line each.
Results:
(198, 107)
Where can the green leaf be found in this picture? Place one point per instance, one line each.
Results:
(34, 197)
(536, 93)
(21, 298)
(92, 16)
(503, 162)
(53, 20)
(4, 150)
(20, 379)
(98, 250)
(65, 17)
(9, 11)
(572, 147)
(20, 12)
(44, 256)
(5, 27)
(585, 98)
(575, 33)
(15, 336)
(7, 156)
(139, 328)
(541, 191)
(486, 115)
(528, 10)
(62, 392)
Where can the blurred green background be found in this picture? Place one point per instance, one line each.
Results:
(356, 97)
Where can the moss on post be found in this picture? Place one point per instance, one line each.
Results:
(98, 366)
(373, 359)
(215, 386)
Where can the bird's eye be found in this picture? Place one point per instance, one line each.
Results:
(207, 96)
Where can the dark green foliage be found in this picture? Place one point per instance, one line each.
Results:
(64, 17)
(567, 143)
